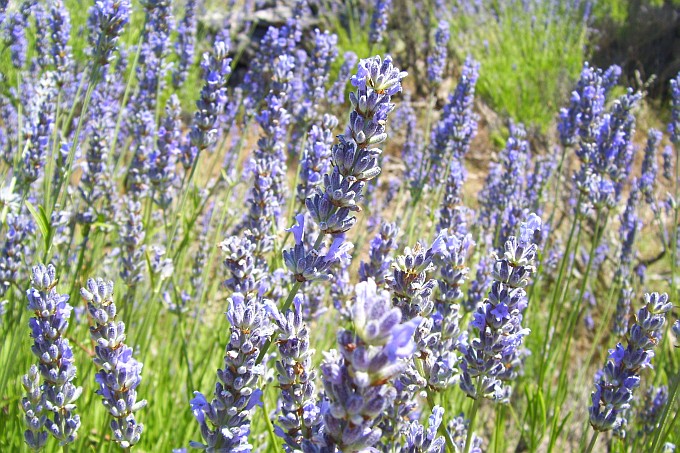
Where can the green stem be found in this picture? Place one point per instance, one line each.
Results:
(557, 290)
(473, 415)
(592, 441)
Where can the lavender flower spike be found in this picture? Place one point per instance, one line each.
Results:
(437, 62)
(225, 422)
(106, 22)
(119, 373)
(52, 312)
(621, 374)
(494, 356)
(358, 380)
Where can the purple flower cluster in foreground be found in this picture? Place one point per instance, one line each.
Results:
(620, 376)
(51, 395)
(119, 373)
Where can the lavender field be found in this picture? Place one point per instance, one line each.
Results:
(339, 226)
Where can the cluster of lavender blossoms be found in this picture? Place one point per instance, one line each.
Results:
(225, 421)
(494, 356)
(119, 373)
(358, 379)
(50, 404)
(615, 383)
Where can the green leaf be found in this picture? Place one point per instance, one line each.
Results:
(43, 223)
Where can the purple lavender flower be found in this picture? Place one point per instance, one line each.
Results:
(421, 440)
(16, 35)
(626, 295)
(456, 128)
(412, 151)
(52, 312)
(60, 29)
(242, 265)
(336, 94)
(95, 184)
(185, 44)
(310, 266)
(453, 215)
(378, 266)
(437, 61)
(267, 196)
(315, 75)
(316, 157)
(357, 380)
(652, 408)
(647, 180)
(494, 357)
(164, 157)
(144, 136)
(458, 427)
(674, 125)
(667, 156)
(119, 373)
(586, 104)
(131, 237)
(19, 229)
(502, 199)
(354, 158)
(34, 408)
(381, 14)
(38, 131)
(300, 416)
(151, 66)
(225, 422)
(620, 376)
(215, 68)
(106, 22)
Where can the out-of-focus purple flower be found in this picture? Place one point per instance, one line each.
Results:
(493, 358)
(626, 295)
(503, 200)
(19, 228)
(106, 22)
(652, 408)
(650, 168)
(213, 97)
(119, 373)
(667, 156)
(225, 421)
(131, 236)
(336, 94)
(316, 157)
(674, 125)
(269, 190)
(164, 157)
(16, 35)
(621, 374)
(60, 29)
(315, 75)
(185, 44)
(381, 14)
(451, 136)
(437, 61)
(38, 131)
(378, 266)
(56, 364)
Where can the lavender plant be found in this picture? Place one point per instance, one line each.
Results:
(119, 373)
